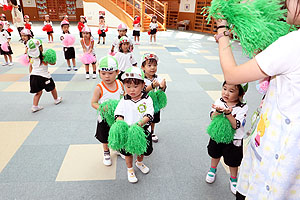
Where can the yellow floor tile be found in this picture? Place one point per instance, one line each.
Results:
(190, 61)
(196, 71)
(12, 136)
(51, 69)
(103, 46)
(84, 163)
(151, 47)
(25, 87)
(211, 57)
(11, 77)
(165, 76)
(214, 95)
(219, 77)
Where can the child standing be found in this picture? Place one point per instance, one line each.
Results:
(109, 88)
(122, 30)
(50, 33)
(65, 18)
(136, 30)
(5, 22)
(87, 44)
(124, 56)
(40, 77)
(26, 36)
(69, 51)
(135, 107)
(152, 82)
(5, 38)
(102, 29)
(81, 24)
(153, 28)
(27, 24)
(235, 111)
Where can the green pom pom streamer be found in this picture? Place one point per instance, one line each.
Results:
(220, 129)
(162, 99)
(107, 110)
(50, 56)
(254, 23)
(117, 137)
(153, 96)
(136, 142)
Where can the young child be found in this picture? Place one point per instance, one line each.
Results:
(122, 30)
(69, 51)
(50, 33)
(135, 107)
(5, 38)
(152, 82)
(87, 44)
(5, 22)
(153, 28)
(109, 88)
(40, 77)
(27, 24)
(124, 56)
(26, 36)
(102, 29)
(231, 104)
(81, 24)
(65, 18)
(136, 30)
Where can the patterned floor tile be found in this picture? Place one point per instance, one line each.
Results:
(196, 71)
(190, 61)
(11, 77)
(211, 57)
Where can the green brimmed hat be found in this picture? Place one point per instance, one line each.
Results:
(33, 47)
(133, 72)
(245, 86)
(108, 63)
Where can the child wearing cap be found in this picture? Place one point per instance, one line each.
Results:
(153, 29)
(5, 22)
(152, 82)
(108, 89)
(69, 51)
(102, 29)
(27, 24)
(124, 56)
(5, 38)
(122, 30)
(65, 18)
(40, 77)
(81, 24)
(136, 29)
(26, 36)
(233, 108)
(50, 33)
(136, 107)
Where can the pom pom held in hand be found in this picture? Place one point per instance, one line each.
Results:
(99, 32)
(80, 26)
(68, 40)
(28, 26)
(50, 56)
(47, 28)
(136, 141)
(24, 60)
(4, 47)
(162, 99)
(220, 130)
(87, 58)
(153, 96)
(107, 110)
(9, 30)
(117, 137)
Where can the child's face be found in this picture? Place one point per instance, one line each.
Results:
(101, 20)
(1, 27)
(154, 20)
(134, 90)
(47, 18)
(122, 32)
(24, 37)
(65, 28)
(2, 18)
(125, 46)
(82, 20)
(86, 35)
(26, 20)
(108, 77)
(230, 93)
(150, 69)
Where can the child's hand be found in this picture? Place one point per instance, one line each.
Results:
(163, 84)
(219, 109)
(155, 83)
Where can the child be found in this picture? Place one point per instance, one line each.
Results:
(81, 24)
(65, 18)
(152, 82)
(87, 44)
(68, 51)
(50, 33)
(235, 111)
(40, 78)
(136, 29)
(26, 36)
(28, 24)
(109, 88)
(124, 56)
(102, 29)
(122, 30)
(135, 107)
(153, 28)
(5, 38)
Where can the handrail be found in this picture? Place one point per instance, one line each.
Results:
(159, 3)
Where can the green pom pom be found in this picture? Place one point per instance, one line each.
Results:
(117, 137)
(153, 96)
(136, 142)
(107, 110)
(220, 130)
(50, 56)
(162, 99)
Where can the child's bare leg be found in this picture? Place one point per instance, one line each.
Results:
(152, 127)
(154, 37)
(138, 38)
(87, 68)
(94, 68)
(233, 171)
(150, 38)
(74, 62)
(135, 38)
(215, 162)
(103, 40)
(68, 62)
(128, 160)
(10, 58)
(105, 147)
(37, 97)
(54, 93)
(49, 37)
(5, 58)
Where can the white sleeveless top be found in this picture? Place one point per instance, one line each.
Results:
(88, 46)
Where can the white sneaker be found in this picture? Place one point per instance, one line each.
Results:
(233, 185)
(94, 76)
(11, 64)
(121, 155)
(154, 138)
(58, 100)
(107, 160)
(36, 108)
(4, 64)
(210, 177)
(87, 76)
(142, 167)
(131, 177)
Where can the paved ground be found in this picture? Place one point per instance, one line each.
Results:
(53, 154)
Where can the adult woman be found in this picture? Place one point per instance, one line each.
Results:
(17, 15)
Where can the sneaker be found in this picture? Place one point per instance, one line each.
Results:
(121, 155)
(69, 68)
(75, 68)
(211, 175)
(4, 64)
(131, 176)
(94, 76)
(87, 76)
(98, 42)
(36, 108)
(233, 183)
(106, 159)
(103, 42)
(142, 167)
(154, 138)
(11, 64)
(58, 100)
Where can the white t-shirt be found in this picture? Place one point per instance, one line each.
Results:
(153, 25)
(4, 36)
(282, 59)
(102, 27)
(39, 70)
(5, 26)
(137, 27)
(148, 81)
(45, 23)
(125, 60)
(117, 42)
(132, 111)
(239, 112)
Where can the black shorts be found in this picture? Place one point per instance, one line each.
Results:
(136, 33)
(38, 83)
(103, 34)
(156, 118)
(69, 52)
(6, 52)
(153, 31)
(80, 34)
(149, 146)
(50, 32)
(232, 154)
(120, 76)
(102, 132)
